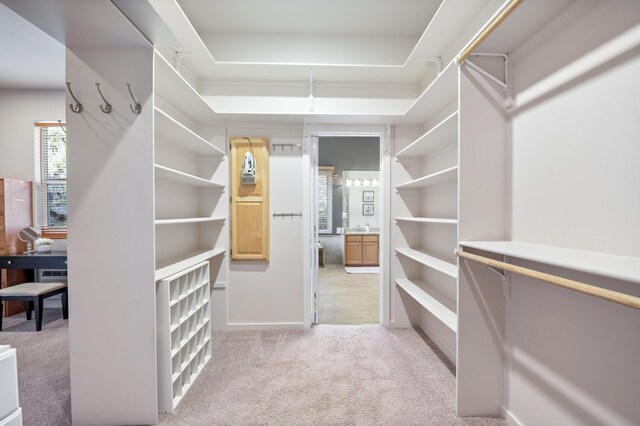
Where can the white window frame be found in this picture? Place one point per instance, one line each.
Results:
(328, 172)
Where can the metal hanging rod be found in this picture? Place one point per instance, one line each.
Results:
(106, 108)
(290, 145)
(486, 31)
(290, 214)
(591, 290)
(77, 108)
(136, 108)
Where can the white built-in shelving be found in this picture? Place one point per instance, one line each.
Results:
(440, 137)
(181, 136)
(190, 217)
(439, 304)
(441, 94)
(427, 220)
(176, 264)
(441, 176)
(430, 261)
(176, 176)
(183, 332)
(607, 265)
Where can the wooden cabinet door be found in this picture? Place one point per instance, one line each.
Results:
(370, 253)
(354, 253)
(250, 202)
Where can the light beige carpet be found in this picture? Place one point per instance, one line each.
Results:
(329, 375)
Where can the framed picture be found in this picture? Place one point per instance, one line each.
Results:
(367, 197)
(367, 210)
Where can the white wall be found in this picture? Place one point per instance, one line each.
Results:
(573, 359)
(19, 109)
(270, 294)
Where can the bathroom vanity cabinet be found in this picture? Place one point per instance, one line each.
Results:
(361, 249)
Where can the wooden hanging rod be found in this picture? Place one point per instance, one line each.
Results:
(487, 30)
(591, 290)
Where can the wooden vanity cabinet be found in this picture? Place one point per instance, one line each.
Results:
(361, 250)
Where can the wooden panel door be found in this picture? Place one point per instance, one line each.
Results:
(249, 202)
(370, 253)
(15, 214)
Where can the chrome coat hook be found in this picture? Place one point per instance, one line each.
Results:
(106, 108)
(77, 108)
(137, 108)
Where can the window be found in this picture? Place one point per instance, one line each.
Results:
(325, 199)
(50, 188)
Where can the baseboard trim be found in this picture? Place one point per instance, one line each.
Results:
(265, 326)
(220, 284)
(509, 417)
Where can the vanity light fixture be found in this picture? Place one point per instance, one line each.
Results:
(349, 183)
(375, 182)
(366, 182)
(357, 182)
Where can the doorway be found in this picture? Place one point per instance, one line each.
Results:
(347, 222)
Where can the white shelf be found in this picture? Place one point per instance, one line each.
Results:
(440, 137)
(618, 267)
(433, 300)
(430, 261)
(188, 220)
(172, 130)
(427, 220)
(177, 176)
(432, 179)
(526, 20)
(180, 263)
(450, 21)
(442, 92)
(177, 92)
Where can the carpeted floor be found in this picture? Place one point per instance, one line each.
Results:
(338, 375)
(43, 367)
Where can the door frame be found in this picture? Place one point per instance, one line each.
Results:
(310, 265)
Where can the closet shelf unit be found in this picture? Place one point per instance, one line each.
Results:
(184, 332)
(428, 177)
(430, 261)
(176, 264)
(176, 176)
(445, 175)
(427, 220)
(188, 220)
(190, 217)
(439, 304)
(606, 265)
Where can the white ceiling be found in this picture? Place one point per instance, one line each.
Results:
(29, 58)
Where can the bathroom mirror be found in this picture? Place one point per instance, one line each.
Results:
(360, 198)
(28, 235)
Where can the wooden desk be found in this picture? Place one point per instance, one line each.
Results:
(52, 260)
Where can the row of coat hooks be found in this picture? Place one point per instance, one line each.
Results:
(290, 214)
(136, 108)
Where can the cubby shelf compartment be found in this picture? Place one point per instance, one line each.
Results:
(179, 177)
(430, 261)
(427, 220)
(435, 178)
(174, 265)
(183, 340)
(188, 220)
(170, 129)
(439, 138)
(439, 304)
(174, 90)
(606, 265)
(441, 93)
